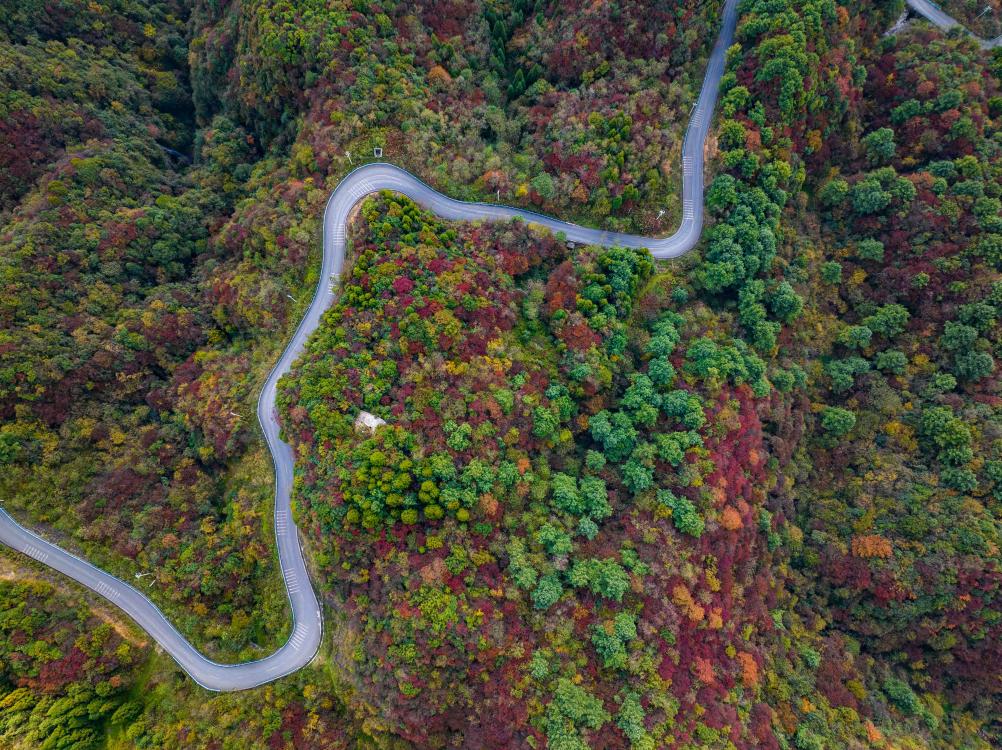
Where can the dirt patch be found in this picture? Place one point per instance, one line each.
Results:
(710, 148)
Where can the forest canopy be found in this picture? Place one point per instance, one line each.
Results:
(746, 498)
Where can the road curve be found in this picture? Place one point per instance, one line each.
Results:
(944, 21)
(307, 628)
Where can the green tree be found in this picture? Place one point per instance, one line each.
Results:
(892, 361)
(611, 639)
(837, 421)
(833, 193)
(879, 146)
(684, 514)
(831, 272)
(785, 303)
(888, 321)
(543, 184)
(547, 591)
(870, 249)
(974, 365)
(855, 337)
(869, 197)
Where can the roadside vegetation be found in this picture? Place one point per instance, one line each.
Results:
(983, 17)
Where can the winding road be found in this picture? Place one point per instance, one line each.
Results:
(307, 630)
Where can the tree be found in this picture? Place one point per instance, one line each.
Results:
(957, 336)
(732, 134)
(565, 494)
(981, 315)
(869, 197)
(870, 249)
(543, 184)
(843, 372)
(578, 705)
(637, 476)
(611, 638)
(888, 321)
(594, 460)
(950, 436)
(837, 421)
(554, 539)
(785, 303)
(684, 514)
(833, 193)
(831, 272)
(892, 361)
(544, 423)
(722, 195)
(974, 365)
(603, 577)
(616, 433)
(522, 571)
(879, 146)
(642, 400)
(855, 337)
(595, 498)
(547, 591)
(661, 372)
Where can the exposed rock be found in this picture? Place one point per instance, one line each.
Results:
(366, 423)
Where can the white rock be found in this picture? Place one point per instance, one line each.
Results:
(368, 423)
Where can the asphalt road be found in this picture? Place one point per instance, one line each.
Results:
(307, 630)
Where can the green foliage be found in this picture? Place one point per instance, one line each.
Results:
(831, 272)
(902, 696)
(585, 497)
(888, 320)
(612, 637)
(505, 364)
(543, 184)
(616, 434)
(459, 435)
(545, 423)
(539, 666)
(879, 146)
(723, 194)
(945, 433)
(843, 372)
(519, 566)
(631, 720)
(870, 249)
(855, 337)
(785, 303)
(684, 514)
(572, 709)
(587, 528)
(892, 361)
(385, 481)
(833, 193)
(65, 671)
(594, 460)
(974, 365)
(604, 577)
(554, 539)
(837, 421)
(547, 592)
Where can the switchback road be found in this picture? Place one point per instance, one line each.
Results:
(307, 629)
